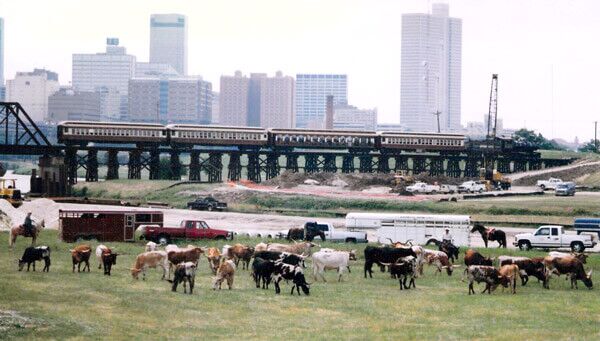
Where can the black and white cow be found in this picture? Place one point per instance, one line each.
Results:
(184, 272)
(33, 254)
(262, 269)
(293, 273)
(403, 269)
(377, 255)
(487, 274)
(285, 257)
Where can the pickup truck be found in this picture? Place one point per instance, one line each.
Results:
(472, 187)
(421, 187)
(553, 236)
(450, 189)
(208, 203)
(549, 184)
(188, 229)
(332, 234)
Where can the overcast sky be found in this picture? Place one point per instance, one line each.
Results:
(546, 52)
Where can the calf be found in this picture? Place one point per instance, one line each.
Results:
(568, 265)
(510, 272)
(241, 252)
(304, 248)
(34, 254)
(262, 269)
(440, 260)
(289, 272)
(285, 257)
(81, 254)
(487, 274)
(183, 255)
(376, 255)
(151, 246)
(214, 258)
(147, 260)
(226, 271)
(323, 260)
(527, 267)
(403, 269)
(473, 257)
(184, 272)
(108, 260)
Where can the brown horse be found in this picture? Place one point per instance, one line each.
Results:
(490, 234)
(19, 230)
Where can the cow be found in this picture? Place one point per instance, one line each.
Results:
(473, 257)
(241, 252)
(34, 254)
(226, 271)
(150, 259)
(403, 269)
(184, 272)
(304, 248)
(450, 249)
(184, 255)
(419, 251)
(487, 274)
(440, 260)
(323, 260)
(377, 254)
(567, 265)
(261, 247)
(151, 246)
(286, 257)
(289, 272)
(510, 272)
(581, 256)
(81, 254)
(527, 267)
(108, 260)
(262, 269)
(100, 249)
(214, 258)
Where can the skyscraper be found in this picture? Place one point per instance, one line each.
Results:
(1, 52)
(431, 70)
(32, 90)
(311, 97)
(277, 101)
(168, 41)
(233, 100)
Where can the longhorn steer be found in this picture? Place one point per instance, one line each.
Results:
(527, 267)
(304, 248)
(150, 259)
(440, 260)
(214, 259)
(289, 272)
(487, 274)
(323, 260)
(473, 257)
(81, 254)
(386, 254)
(568, 265)
(510, 272)
(226, 271)
(184, 272)
(403, 269)
(34, 254)
(262, 269)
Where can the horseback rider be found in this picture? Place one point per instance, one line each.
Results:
(491, 233)
(28, 225)
(447, 237)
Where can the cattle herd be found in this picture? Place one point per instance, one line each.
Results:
(274, 262)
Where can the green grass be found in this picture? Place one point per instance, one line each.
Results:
(66, 305)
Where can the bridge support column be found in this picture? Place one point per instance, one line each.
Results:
(253, 167)
(175, 165)
(365, 164)
(215, 172)
(419, 165)
(504, 166)
(535, 164)
(195, 166)
(234, 172)
(436, 166)
(453, 168)
(348, 163)
(91, 165)
(71, 162)
(472, 168)
(520, 165)
(291, 163)
(112, 163)
(272, 169)
(401, 164)
(311, 163)
(135, 165)
(329, 164)
(154, 165)
(383, 164)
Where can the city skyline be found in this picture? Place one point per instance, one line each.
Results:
(533, 57)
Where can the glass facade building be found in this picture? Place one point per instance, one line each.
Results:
(311, 97)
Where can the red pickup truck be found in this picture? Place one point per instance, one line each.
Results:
(188, 229)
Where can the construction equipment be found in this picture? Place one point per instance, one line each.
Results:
(9, 192)
(402, 178)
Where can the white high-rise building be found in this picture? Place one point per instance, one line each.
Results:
(168, 41)
(311, 97)
(431, 71)
(1, 52)
(32, 90)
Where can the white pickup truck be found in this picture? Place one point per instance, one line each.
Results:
(421, 187)
(332, 234)
(549, 184)
(553, 236)
(471, 187)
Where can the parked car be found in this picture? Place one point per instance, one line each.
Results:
(451, 189)
(208, 203)
(549, 184)
(553, 236)
(188, 229)
(565, 188)
(421, 187)
(472, 187)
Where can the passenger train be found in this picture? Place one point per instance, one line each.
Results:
(81, 132)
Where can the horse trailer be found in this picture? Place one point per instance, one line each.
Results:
(419, 228)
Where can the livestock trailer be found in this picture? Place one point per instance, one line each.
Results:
(416, 227)
(104, 226)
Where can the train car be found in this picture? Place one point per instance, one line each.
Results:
(216, 135)
(421, 141)
(321, 138)
(82, 132)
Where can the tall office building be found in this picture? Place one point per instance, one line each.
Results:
(311, 97)
(215, 116)
(168, 41)
(277, 101)
(2, 87)
(32, 90)
(431, 70)
(67, 104)
(107, 72)
(233, 100)
(347, 117)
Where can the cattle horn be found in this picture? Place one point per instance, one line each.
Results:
(445, 267)
(589, 274)
(456, 266)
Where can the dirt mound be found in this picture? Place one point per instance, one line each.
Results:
(12, 215)
(351, 181)
(571, 174)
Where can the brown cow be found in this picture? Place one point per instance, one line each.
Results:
(304, 248)
(243, 252)
(150, 259)
(510, 271)
(226, 271)
(261, 247)
(184, 255)
(81, 254)
(473, 257)
(214, 258)
(439, 259)
(570, 266)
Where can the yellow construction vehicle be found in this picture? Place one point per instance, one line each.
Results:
(9, 192)
(494, 180)
(402, 177)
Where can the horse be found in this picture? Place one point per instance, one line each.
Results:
(450, 249)
(19, 230)
(490, 234)
(296, 233)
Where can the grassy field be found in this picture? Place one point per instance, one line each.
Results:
(66, 305)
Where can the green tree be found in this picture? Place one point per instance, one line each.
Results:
(530, 137)
(164, 172)
(589, 147)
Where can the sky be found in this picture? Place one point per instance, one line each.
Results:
(546, 52)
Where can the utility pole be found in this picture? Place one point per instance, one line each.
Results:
(596, 135)
(438, 113)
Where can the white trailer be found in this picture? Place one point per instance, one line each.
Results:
(416, 227)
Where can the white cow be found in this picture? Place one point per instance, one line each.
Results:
(323, 260)
(151, 246)
(304, 248)
(99, 251)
